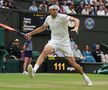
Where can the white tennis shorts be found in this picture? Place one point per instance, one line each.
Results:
(65, 49)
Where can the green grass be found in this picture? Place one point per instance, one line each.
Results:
(44, 81)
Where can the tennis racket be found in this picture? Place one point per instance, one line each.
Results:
(8, 28)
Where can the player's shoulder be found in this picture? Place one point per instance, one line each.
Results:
(49, 16)
(62, 15)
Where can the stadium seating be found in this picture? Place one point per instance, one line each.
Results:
(35, 55)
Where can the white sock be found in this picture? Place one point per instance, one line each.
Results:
(87, 80)
(35, 67)
(85, 76)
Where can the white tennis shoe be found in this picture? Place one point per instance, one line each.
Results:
(30, 71)
(88, 81)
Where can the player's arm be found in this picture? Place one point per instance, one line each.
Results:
(77, 23)
(37, 30)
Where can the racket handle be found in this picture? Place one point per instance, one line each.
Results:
(22, 33)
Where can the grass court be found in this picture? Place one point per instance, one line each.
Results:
(46, 81)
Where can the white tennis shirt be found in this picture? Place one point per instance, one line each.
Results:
(59, 28)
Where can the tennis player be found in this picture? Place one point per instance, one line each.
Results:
(58, 24)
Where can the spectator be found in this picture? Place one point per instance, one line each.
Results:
(101, 10)
(106, 11)
(11, 4)
(100, 2)
(33, 7)
(77, 53)
(86, 10)
(97, 52)
(66, 7)
(80, 7)
(99, 55)
(43, 6)
(93, 9)
(105, 2)
(72, 9)
(51, 2)
(5, 4)
(27, 49)
(1, 3)
(61, 7)
(15, 49)
(106, 58)
(92, 1)
(87, 54)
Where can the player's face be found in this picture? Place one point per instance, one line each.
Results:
(53, 12)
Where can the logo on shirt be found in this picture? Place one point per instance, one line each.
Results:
(89, 23)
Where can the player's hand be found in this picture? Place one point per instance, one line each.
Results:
(75, 30)
(28, 35)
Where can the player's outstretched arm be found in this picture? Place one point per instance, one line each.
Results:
(36, 31)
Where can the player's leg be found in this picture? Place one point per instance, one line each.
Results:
(47, 50)
(77, 67)
(70, 57)
(72, 61)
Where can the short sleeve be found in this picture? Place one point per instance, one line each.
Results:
(65, 17)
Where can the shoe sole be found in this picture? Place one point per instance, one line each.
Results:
(89, 83)
(29, 69)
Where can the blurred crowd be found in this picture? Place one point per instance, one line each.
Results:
(8, 4)
(85, 7)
